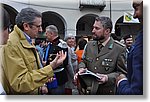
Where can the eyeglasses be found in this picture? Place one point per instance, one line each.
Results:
(38, 26)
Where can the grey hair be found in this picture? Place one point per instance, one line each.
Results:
(52, 28)
(70, 35)
(27, 15)
(106, 22)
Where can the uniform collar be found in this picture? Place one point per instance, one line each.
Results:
(105, 42)
(56, 41)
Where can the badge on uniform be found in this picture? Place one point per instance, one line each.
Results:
(106, 63)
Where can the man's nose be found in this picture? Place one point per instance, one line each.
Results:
(40, 29)
(93, 30)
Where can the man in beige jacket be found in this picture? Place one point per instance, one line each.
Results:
(22, 72)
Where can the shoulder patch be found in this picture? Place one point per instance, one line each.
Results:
(119, 43)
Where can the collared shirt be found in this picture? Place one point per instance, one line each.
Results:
(101, 45)
(28, 37)
(105, 42)
(30, 41)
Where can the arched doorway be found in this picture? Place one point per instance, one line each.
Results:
(53, 18)
(84, 26)
(122, 29)
(12, 12)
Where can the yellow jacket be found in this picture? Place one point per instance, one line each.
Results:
(21, 73)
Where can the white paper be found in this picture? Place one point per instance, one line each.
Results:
(90, 73)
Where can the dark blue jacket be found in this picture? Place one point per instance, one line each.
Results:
(134, 84)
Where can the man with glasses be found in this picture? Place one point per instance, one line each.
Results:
(23, 73)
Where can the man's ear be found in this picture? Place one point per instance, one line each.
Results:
(107, 31)
(26, 26)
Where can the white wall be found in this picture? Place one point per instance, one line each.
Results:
(69, 9)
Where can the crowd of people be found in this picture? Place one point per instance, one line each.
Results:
(56, 66)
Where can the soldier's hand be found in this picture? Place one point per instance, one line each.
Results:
(103, 78)
(81, 70)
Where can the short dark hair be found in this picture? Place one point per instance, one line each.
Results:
(5, 19)
(127, 36)
(106, 22)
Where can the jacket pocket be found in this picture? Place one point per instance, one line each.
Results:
(31, 62)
